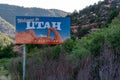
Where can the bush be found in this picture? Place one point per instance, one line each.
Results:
(95, 40)
(113, 38)
(68, 45)
(4, 63)
(15, 68)
(56, 52)
(7, 52)
(79, 50)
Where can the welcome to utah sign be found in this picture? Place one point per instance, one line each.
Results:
(42, 30)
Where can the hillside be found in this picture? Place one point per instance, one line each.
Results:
(6, 28)
(8, 12)
(6, 51)
(94, 16)
(5, 40)
(6, 33)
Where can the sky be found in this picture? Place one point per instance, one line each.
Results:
(65, 5)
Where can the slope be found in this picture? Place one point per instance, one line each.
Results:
(5, 40)
(6, 28)
(8, 12)
(94, 16)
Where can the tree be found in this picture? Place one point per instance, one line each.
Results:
(7, 52)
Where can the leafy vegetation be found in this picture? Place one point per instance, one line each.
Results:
(93, 42)
(113, 38)
(7, 52)
(4, 68)
(72, 51)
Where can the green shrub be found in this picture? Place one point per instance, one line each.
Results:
(56, 52)
(7, 52)
(94, 41)
(4, 63)
(68, 45)
(79, 50)
(113, 38)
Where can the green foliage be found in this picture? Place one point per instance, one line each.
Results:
(96, 39)
(7, 52)
(45, 53)
(30, 47)
(113, 14)
(82, 32)
(4, 63)
(113, 38)
(93, 42)
(80, 50)
(56, 52)
(73, 37)
(88, 45)
(68, 45)
(74, 17)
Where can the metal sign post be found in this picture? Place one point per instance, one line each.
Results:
(24, 61)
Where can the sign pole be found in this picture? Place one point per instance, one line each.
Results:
(24, 61)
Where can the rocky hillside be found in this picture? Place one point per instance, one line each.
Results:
(6, 28)
(6, 33)
(94, 16)
(8, 12)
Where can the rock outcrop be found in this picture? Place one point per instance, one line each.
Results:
(29, 37)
